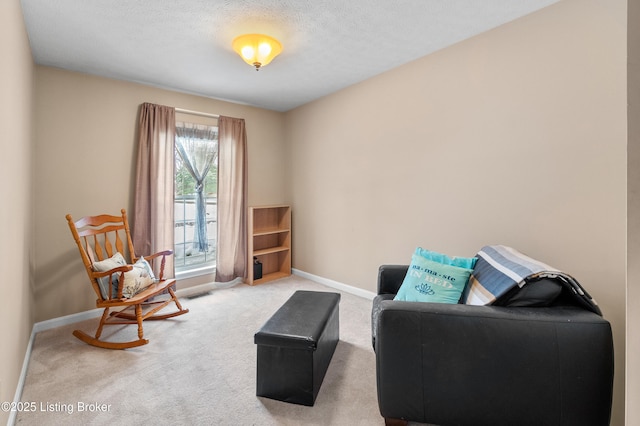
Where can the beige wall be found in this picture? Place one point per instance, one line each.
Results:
(16, 88)
(84, 164)
(516, 137)
(633, 216)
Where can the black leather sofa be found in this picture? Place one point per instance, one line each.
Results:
(448, 364)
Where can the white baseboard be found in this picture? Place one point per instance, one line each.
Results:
(23, 374)
(193, 291)
(205, 288)
(335, 284)
(65, 320)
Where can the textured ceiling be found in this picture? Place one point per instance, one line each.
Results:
(185, 45)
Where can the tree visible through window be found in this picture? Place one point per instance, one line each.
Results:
(195, 199)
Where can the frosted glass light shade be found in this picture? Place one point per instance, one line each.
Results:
(257, 49)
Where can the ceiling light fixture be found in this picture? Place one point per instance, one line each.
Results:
(257, 49)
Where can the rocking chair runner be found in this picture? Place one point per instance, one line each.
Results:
(99, 238)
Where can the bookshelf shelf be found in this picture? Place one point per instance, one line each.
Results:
(269, 242)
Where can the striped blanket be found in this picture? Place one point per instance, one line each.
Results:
(501, 268)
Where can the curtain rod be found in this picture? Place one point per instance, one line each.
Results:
(203, 114)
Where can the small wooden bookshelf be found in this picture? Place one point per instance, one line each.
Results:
(269, 241)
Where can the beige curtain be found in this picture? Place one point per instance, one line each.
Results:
(231, 261)
(153, 206)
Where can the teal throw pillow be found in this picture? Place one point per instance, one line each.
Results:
(435, 281)
(462, 262)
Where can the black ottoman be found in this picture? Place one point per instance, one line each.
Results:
(295, 347)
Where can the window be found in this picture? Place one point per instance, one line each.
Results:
(195, 198)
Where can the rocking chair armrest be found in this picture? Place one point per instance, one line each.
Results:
(123, 268)
(164, 254)
(154, 255)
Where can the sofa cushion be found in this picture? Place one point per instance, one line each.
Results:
(540, 292)
(438, 281)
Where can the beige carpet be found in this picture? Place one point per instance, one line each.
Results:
(198, 369)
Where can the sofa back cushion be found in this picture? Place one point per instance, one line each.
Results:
(541, 292)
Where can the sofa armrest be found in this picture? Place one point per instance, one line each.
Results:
(390, 278)
(434, 361)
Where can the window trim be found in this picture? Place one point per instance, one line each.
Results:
(197, 272)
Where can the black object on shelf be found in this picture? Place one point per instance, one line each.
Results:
(257, 269)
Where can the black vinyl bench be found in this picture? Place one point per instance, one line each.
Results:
(295, 347)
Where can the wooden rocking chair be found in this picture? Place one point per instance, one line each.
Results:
(100, 239)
